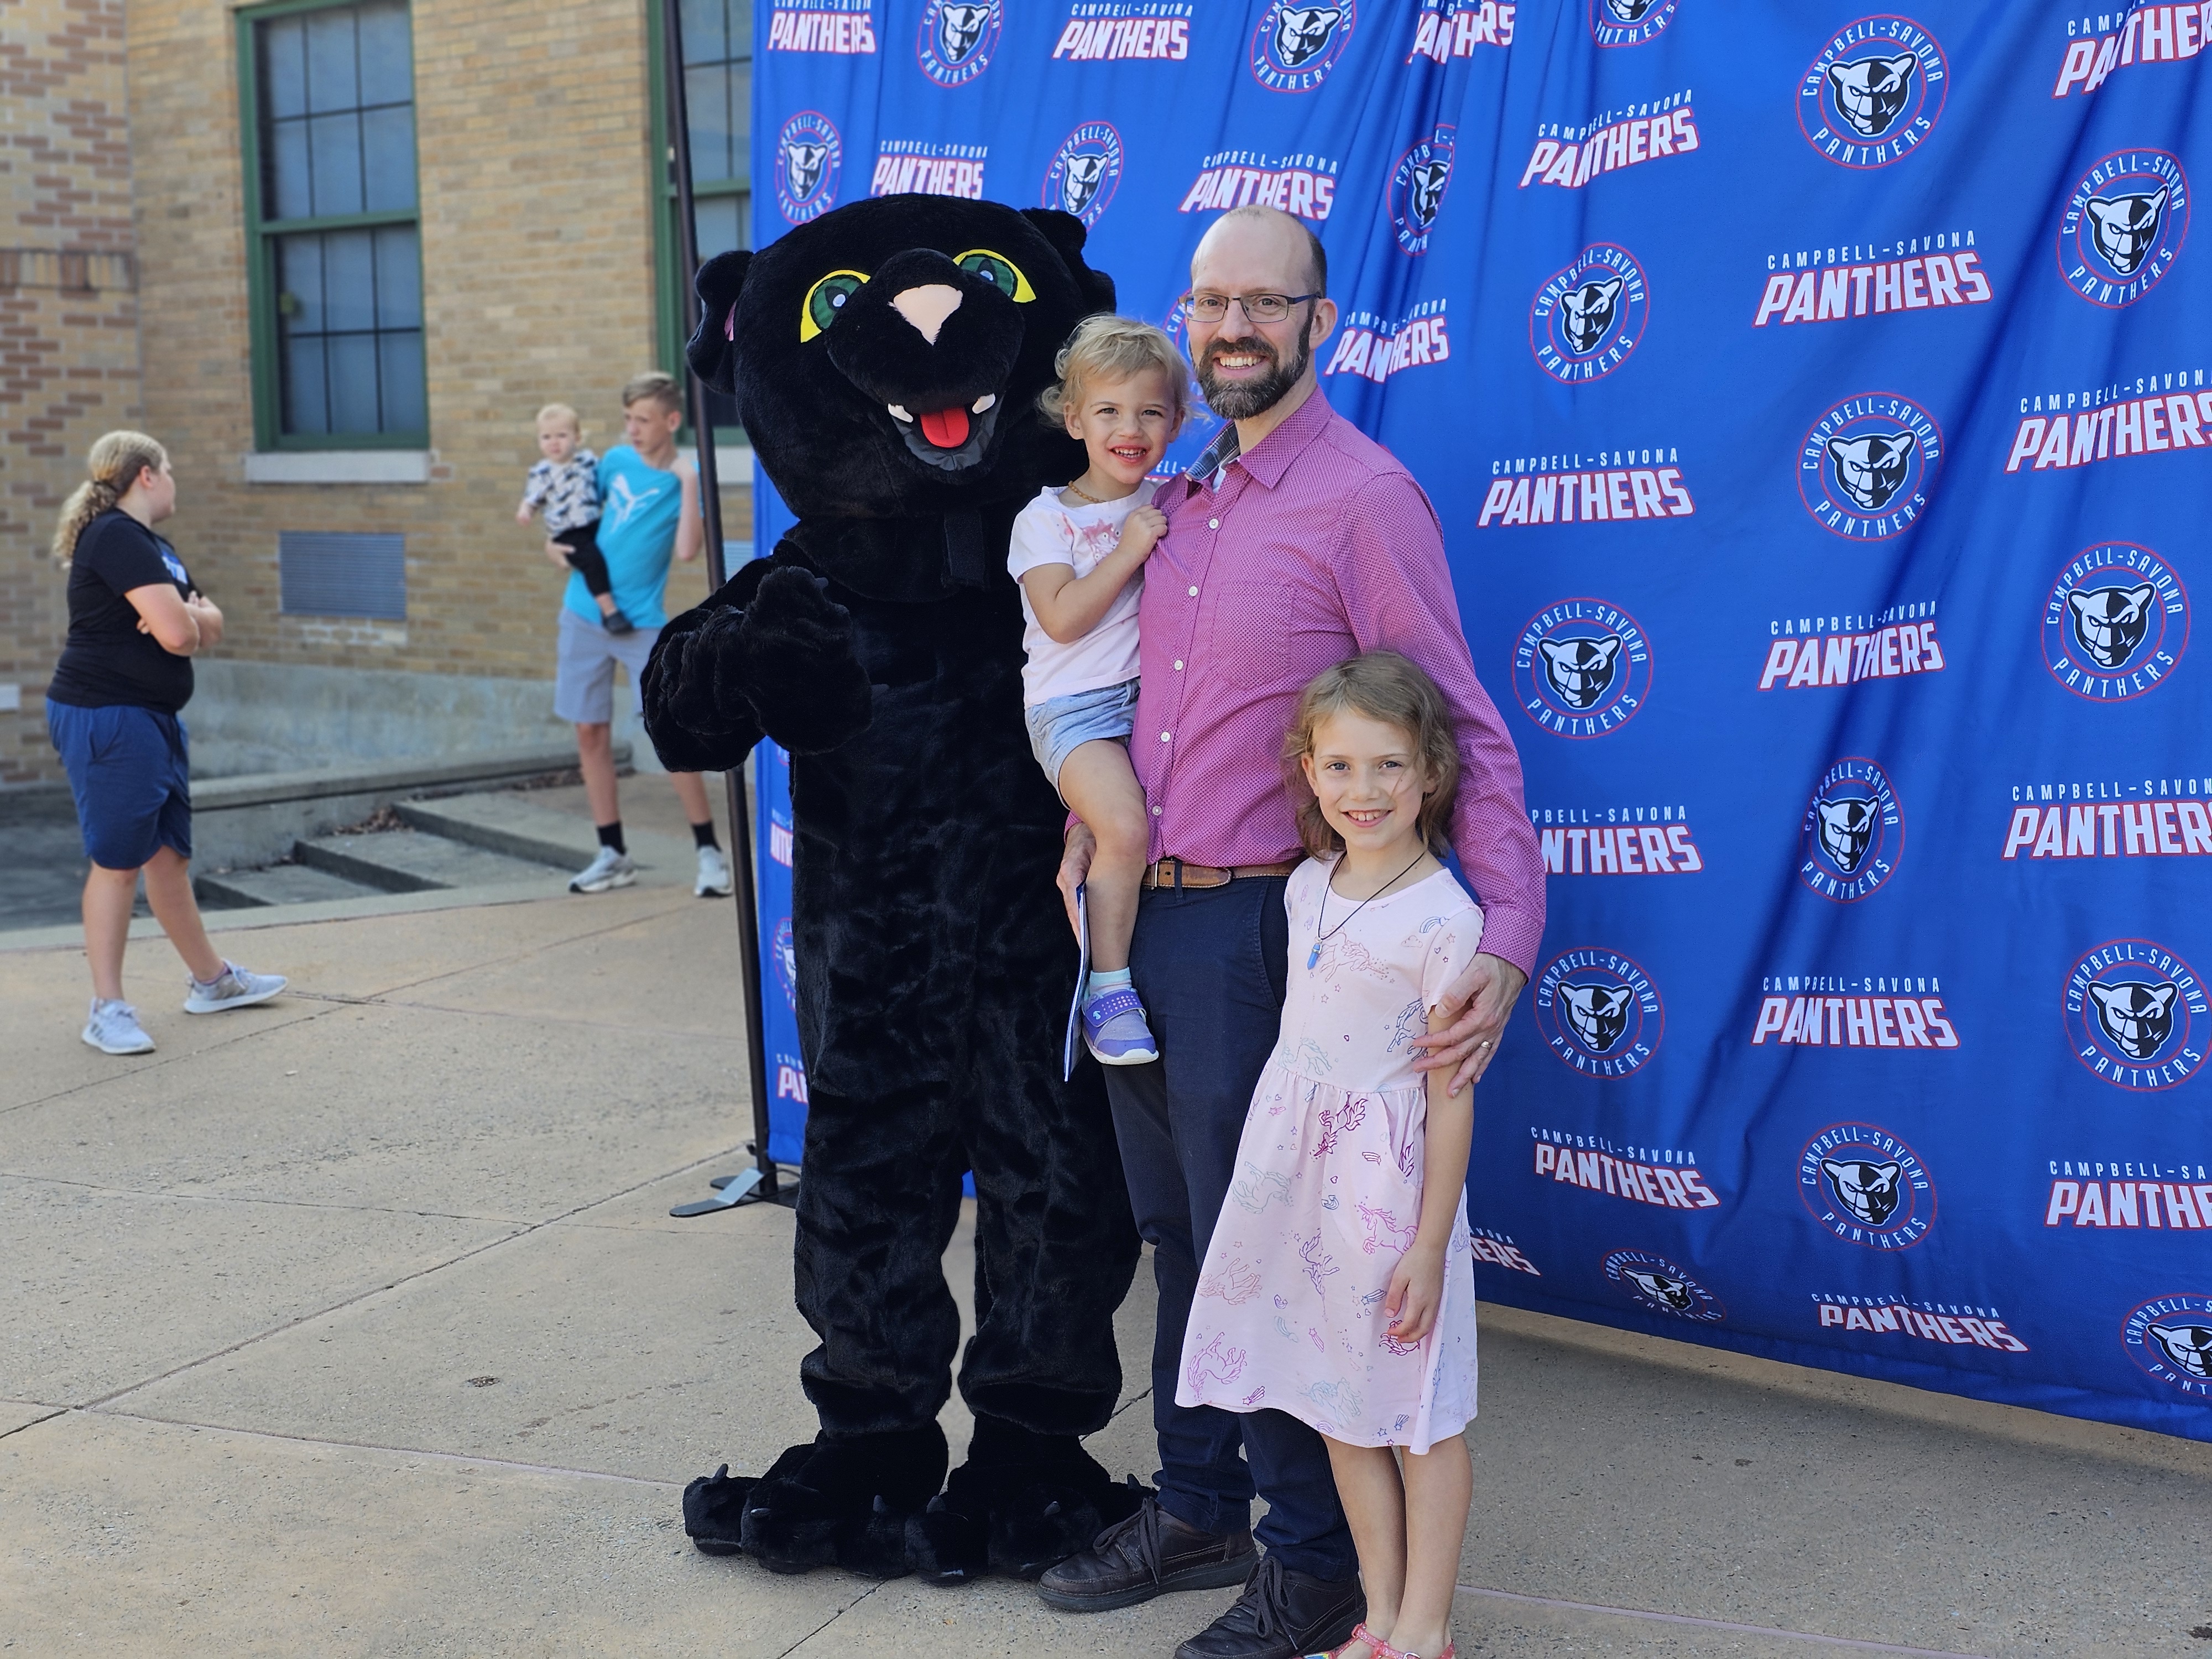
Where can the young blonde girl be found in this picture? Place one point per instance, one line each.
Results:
(1078, 553)
(1339, 1284)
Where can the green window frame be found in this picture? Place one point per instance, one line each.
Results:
(333, 225)
(718, 53)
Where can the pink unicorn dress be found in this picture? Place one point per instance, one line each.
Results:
(1327, 1191)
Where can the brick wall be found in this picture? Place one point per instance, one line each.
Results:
(537, 284)
(69, 362)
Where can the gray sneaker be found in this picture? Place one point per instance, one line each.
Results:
(234, 987)
(609, 869)
(114, 1029)
(714, 878)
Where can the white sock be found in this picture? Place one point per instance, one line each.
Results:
(1103, 980)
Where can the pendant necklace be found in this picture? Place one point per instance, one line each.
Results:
(1320, 938)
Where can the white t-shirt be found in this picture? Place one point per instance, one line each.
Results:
(1047, 533)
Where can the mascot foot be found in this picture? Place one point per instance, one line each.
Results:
(845, 1500)
(1021, 1502)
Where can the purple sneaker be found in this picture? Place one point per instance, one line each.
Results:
(1114, 1028)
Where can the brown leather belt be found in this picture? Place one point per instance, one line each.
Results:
(1174, 872)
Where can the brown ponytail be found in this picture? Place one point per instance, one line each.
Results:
(113, 467)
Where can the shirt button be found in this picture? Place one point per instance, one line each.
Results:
(1163, 737)
(1193, 592)
(1178, 665)
(1213, 523)
(1156, 811)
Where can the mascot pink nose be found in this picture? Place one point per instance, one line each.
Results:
(927, 307)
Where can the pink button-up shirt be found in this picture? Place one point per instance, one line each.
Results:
(1315, 547)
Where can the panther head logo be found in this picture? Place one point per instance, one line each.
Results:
(1870, 469)
(1869, 1191)
(1629, 11)
(1846, 830)
(2126, 226)
(1079, 178)
(959, 26)
(1580, 670)
(1870, 92)
(1427, 193)
(1302, 33)
(802, 167)
(2188, 1346)
(1590, 309)
(2138, 1018)
(1599, 1013)
(1667, 1292)
(2110, 622)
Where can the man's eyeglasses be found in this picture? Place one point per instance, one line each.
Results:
(1260, 307)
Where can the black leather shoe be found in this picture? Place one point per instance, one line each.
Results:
(1149, 1554)
(1281, 1615)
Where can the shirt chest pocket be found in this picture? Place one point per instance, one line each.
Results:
(1245, 626)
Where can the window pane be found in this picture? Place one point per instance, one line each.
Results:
(387, 56)
(304, 409)
(332, 84)
(741, 143)
(348, 280)
(707, 96)
(300, 278)
(721, 221)
(353, 383)
(705, 30)
(400, 358)
(387, 138)
(283, 67)
(741, 28)
(398, 279)
(288, 195)
(334, 144)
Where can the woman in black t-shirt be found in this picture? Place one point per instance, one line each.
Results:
(135, 620)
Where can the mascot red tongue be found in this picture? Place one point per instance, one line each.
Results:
(881, 645)
(945, 427)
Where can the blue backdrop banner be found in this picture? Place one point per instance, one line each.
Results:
(1812, 406)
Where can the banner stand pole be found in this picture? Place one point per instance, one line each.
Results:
(763, 1183)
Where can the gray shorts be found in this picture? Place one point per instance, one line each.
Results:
(584, 670)
(1060, 726)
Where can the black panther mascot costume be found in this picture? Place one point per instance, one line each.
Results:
(885, 359)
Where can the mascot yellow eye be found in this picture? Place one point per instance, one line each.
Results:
(999, 271)
(825, 299)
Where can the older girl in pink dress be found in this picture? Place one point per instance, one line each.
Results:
(1339, 1284)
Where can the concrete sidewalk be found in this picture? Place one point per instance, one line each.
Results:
(355, 1324)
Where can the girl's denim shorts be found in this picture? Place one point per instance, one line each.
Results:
(1060, 725)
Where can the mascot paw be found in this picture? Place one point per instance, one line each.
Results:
(846, 1501)
(794, 658)
(1020, 1504)
(714, 1510)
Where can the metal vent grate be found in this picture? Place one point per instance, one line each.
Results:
(327, 573)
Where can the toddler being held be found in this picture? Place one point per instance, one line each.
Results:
(1078, 554)
(565, 483)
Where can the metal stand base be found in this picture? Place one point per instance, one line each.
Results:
(733, 1192)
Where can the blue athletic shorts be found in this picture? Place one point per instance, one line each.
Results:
(128, 769)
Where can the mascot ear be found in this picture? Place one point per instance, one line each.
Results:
(711, 352)
(1066, 234)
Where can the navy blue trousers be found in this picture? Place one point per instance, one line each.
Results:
(1211, 966)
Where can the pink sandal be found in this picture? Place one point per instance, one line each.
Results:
(1381, 1649)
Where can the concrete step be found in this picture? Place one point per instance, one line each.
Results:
(410, 862)
(281, 884)
(508, 822)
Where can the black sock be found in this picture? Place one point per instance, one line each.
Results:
(703, 834)
(611, 836)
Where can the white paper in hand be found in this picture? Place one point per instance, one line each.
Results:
(1082, 980)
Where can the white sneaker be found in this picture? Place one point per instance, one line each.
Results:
(114, 1029)
(714, 879)
(609, 869)
(234, 987)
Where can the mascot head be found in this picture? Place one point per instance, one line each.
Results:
(886, 357)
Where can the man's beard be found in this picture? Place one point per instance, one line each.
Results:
(1239, 400)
